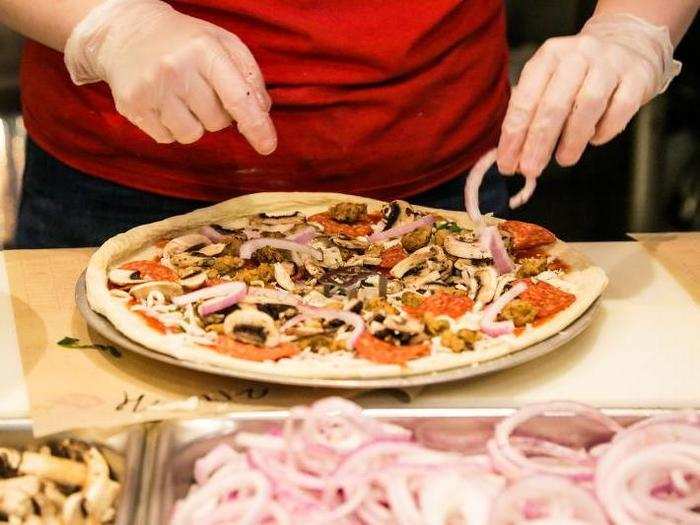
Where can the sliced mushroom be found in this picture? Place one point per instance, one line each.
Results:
(169, 289)
(283, 278)
(9, 461)
(332, 257)
(416, 259)
(185, 242)
(469, 279)
(212, 249)
(100, 491)
(252, 326)
(487, 277)
(194, 282)
(503, 280)
(399, 329)
(313, 269)
(356, 243)
(363, 260)
(424, 277)
(72, 513)
(16, 502)
(62, 471)
(396, 213)
(122, 277)
(465, 249)
(185, 260)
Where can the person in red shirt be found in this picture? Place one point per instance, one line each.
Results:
(130, 105)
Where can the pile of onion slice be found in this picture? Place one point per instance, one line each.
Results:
(330, 463)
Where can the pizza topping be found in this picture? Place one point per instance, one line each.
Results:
(378, 351)
(248, 248)
(548, 299)
(225, 344)
(277, 219)
(303, 236)
(216, 304)
(392, 256)
(494, 328)
(268, 254)
(487, 280)
(218, 290)
(166, 289)
(491, 239)
(398, 330)
(519, 311)
(466, 247)
(416, 239)
(151, 270)
(524, 235)
(184, 243)
(459, 341)
(433, 325)
(398, 231)
(260, 275)
(333, 227)
(415, 260)
(531, 266)
(283, 277)
(252, 326)
(442, 303)
(122, 277)
(194, 281)
(348, 212)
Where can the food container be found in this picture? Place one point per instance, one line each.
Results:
(176, 445)
(123, 449)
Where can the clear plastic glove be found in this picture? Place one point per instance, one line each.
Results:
(583, 89)
(172, 75)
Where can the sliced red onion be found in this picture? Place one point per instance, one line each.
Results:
(349, 318)
(506, 452)
(248, 248)
(216, 304)
(474, 179)
(303, 236)
(184, 242)
(524, 194)
(210, 233)
(217, 290)
(501, 259)
(546, 499)
(494, 328)
(398, 231)
(250, 233)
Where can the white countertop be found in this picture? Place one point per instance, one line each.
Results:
(643, 348)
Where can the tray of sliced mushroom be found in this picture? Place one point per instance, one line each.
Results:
(103, 327)
(71, 478)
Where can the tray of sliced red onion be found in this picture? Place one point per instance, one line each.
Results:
(332, 462)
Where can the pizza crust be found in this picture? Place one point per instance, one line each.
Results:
(586, 281)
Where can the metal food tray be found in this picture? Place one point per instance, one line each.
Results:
(123, 450)
(103, 327)
(176, 445)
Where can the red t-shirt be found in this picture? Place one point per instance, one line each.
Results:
(385, 98)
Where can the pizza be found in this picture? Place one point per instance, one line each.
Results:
(336, 286)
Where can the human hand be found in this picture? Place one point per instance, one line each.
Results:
(172, 75)
(583, 89)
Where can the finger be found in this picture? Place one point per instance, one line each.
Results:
(552, 112)
(236, 96)
(625, 102)
(248, 66)
(149, 124)
(590, 104)
(175, 116)
(521, 108)
(205, 105)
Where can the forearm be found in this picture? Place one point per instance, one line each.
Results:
(677, 15)
(47, 21)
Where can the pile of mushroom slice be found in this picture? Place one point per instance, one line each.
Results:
(69, 483)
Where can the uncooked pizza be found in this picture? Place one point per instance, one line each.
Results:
(336, 286)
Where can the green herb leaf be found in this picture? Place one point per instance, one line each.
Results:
(72, 342)
(450, 226)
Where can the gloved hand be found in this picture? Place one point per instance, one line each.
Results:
(583, 89)
(172, 75)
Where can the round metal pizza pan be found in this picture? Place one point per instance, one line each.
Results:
(102, 326)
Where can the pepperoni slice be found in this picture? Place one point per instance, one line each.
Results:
(442, 303)
(373, 349)
(547, 298)
(151, 270)
(225, 344)
(333, 227)
(525, 235)
(392, 256)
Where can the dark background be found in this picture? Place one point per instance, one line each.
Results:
(647, 179)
